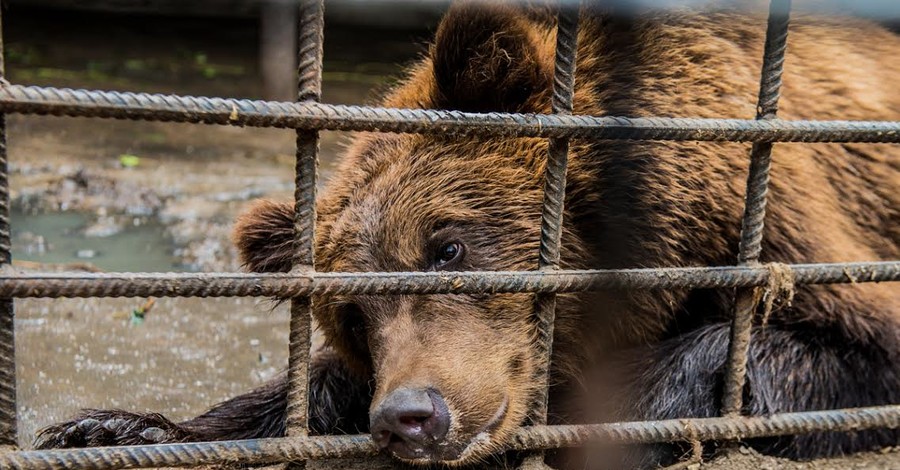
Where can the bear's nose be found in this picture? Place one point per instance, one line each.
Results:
(409, 422)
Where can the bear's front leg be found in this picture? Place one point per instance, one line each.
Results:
(96, 428)
(338, 403)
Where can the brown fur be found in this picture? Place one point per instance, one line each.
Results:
(397, 198)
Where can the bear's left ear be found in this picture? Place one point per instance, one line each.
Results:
(264, 236)
(486, 58)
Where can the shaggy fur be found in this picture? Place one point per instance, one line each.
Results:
(397, 199)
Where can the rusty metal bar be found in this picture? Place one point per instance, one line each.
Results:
(265, 451)
(309, 115)
(55, 285)
(311, 28)
(755, 205)
(552, 213)
(7, 327)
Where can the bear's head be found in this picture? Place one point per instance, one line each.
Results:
(454, 375)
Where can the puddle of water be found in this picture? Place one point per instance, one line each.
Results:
(59, 238)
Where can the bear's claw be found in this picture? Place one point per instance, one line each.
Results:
(95, 428)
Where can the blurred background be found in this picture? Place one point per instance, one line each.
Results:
(105, 195)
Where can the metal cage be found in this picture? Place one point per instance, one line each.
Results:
(308, 116)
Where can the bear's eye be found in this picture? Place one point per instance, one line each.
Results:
(447, 254)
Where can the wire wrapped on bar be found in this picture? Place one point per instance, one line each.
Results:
(309, 115)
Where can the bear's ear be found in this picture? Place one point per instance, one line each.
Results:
(264, 236)
(486, 58)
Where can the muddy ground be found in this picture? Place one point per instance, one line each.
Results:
(136, 196)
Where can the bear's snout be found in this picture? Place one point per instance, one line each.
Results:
(411, 423)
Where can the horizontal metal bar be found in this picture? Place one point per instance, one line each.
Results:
(265, 451)
(309, 115)
(51, 285)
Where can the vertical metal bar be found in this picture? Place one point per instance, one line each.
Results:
(552, 212)
(7, 327)
(554, 195)
(312, 25)
(755, 205)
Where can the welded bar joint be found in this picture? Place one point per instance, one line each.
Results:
(753, 220)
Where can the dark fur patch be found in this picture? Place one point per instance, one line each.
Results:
(789, 370)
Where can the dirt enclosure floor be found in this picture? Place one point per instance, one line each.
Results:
(137, 196)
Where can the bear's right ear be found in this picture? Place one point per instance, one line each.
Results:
(486, 58)
(264, 236)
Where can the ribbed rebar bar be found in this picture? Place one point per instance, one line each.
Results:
(311, 28)
(55, 285)
(309, 50)
(761, 154)
(554, 198)
(263, 451)
(755, 204)
(7, 314)
(707, 429)
(308, 115)
(552, 211)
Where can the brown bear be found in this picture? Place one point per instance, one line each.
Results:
(447, 378)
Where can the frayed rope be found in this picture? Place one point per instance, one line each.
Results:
(779, 289)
